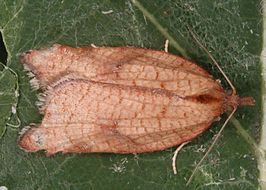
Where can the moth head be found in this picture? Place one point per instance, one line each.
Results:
(233, 100)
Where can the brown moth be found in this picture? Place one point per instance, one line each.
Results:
(121, 100)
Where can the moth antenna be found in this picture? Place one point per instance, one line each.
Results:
(211, 147)
(212, 58)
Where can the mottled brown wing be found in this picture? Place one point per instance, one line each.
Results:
(86, 116)
(120, 65)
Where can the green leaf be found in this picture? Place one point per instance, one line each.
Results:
(232, 32)
(7, 98)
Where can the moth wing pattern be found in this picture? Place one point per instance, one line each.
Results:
(119, 65)
(87, 116)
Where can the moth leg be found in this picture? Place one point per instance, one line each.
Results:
(166, 44)
(175, 155)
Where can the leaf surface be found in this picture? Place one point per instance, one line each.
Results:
(231, 30)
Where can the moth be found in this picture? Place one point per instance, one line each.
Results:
(120, 100)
